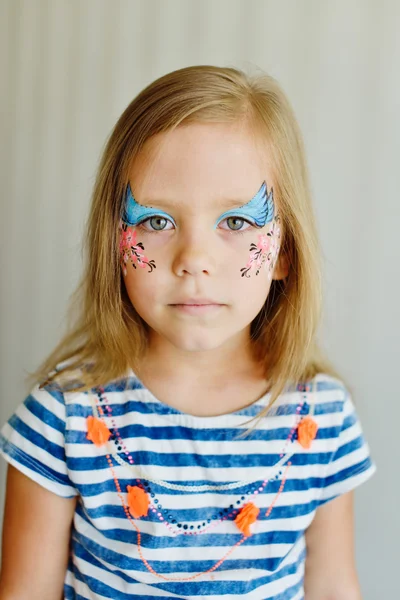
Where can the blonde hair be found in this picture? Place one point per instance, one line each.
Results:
(107, 329)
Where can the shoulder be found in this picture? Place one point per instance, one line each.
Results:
(341, 440)
(329, 397)
(327, 386)
(333, 409)
(71, 384)
(328, 406)
(33, 439)
(43, 407)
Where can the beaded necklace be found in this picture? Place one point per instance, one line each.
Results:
(140, 496)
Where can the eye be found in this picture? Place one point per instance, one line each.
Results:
(236, 224)
(155, 223)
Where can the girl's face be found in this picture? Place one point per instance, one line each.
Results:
(200, 235)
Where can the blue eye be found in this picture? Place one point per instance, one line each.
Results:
(156, 223)
(236, 224)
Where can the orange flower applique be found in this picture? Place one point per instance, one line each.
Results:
(307, 430)
(246, 517)
(138, 501)
(98, 432)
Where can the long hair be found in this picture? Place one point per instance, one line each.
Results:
(106, 330)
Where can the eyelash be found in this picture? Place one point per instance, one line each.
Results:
(240, 231)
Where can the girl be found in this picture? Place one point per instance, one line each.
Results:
(184, 439)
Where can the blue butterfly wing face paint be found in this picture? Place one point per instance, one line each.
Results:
(260, 210)
(135, 213)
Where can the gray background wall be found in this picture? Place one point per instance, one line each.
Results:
(69, 68)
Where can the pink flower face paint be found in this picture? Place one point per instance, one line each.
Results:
(132, 251)
(265, 252)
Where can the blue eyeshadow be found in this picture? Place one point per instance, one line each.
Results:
(260, 209)
(134, 213)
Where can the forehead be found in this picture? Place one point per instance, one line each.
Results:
(201, 163)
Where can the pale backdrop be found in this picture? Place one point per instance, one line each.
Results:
(69, 68)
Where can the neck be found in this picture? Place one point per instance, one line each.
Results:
(232, 359)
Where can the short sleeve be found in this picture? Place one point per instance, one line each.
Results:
(33, 440)
(351, 463)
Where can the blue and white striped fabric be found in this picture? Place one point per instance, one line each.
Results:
(198, 476)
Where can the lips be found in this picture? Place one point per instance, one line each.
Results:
(196, 302)
(197, 307)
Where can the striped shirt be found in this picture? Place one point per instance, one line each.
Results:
(171, 505)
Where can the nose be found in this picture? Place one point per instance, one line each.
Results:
(195, 255)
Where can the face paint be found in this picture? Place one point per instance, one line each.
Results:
(130, 250)
(135, 213)
(265, 252)
(259, 211)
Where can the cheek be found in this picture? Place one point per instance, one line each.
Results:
(133, 252)
(263, 252)
(139, 267)
(243, 272)
(145, 290)
(246, 286)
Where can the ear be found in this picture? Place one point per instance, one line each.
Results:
(281, 269)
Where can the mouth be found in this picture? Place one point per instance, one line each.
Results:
(197, 306)
(197, 302)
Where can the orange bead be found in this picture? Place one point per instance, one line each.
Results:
(98, 432)
(138, 501)
(307, 430)
(246, 517)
